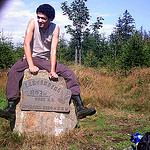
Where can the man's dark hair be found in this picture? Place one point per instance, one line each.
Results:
(48, 10)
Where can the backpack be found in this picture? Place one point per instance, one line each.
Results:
(144, 143)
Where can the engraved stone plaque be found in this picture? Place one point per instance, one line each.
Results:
(44, 95)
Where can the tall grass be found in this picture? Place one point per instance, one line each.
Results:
(102, 89)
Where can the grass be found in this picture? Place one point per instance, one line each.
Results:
(122, 105)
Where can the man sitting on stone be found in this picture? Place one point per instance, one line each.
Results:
(40, 45)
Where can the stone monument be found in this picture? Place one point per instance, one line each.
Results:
(44, 106)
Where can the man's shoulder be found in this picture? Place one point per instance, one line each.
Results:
(32, 21)
(31, 24)
(52, 24)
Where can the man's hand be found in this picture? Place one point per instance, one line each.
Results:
(53, 75)
(34, 69)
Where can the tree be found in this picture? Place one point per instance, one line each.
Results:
(123, 31)
(18, 52)
(79, 14)
(97, 25)
(92, 44)
(65, 53)
(89, 46)
(6, 54)
(133, 53)
(61, 49)
(9, 54)
(125, 27)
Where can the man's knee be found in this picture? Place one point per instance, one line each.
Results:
(10, 71)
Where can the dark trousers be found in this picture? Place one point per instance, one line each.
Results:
(16, 73)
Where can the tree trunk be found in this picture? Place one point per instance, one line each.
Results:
(80, 56)
(76, 55)
(80, 52)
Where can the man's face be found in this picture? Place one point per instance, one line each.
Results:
(42, 20)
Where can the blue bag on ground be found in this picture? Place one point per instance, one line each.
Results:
(136, 138)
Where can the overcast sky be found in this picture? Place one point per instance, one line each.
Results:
(15, 14)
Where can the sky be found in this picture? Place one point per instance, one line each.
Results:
(15, 15)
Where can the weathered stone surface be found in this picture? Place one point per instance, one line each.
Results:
(46, 123)
(44, 95)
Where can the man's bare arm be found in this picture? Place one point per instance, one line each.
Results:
(27, 47)
(54, 44)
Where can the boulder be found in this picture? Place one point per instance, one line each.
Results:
(40, 121)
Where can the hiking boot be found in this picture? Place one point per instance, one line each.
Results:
(10, 113)
(82, 111)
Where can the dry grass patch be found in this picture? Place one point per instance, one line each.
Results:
(3, 78)
(102, 90)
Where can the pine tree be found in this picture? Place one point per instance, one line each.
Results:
(125, 27)
(123, 31)
(133, 53)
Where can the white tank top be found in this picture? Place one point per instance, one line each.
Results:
(41, 41)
